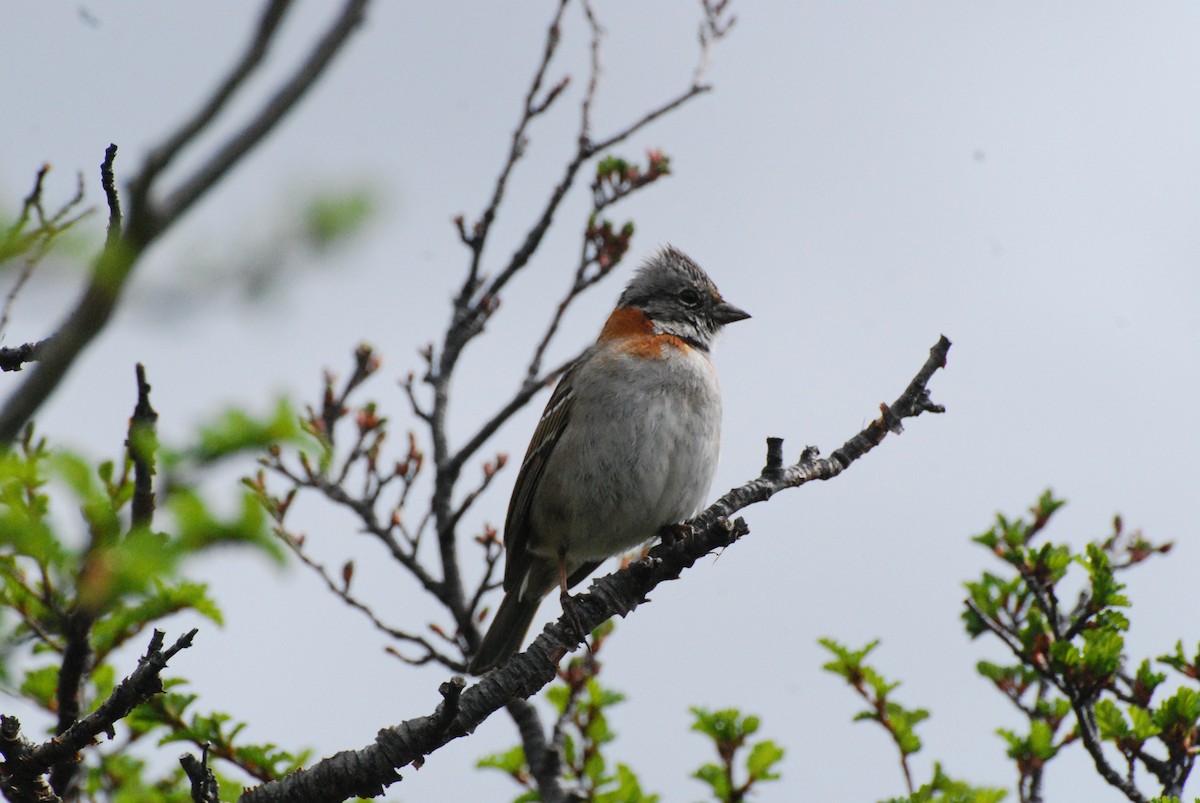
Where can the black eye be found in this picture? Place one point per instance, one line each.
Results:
(689, 297)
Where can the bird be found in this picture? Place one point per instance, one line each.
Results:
(627, 445)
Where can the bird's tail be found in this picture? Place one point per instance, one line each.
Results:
(506, 633)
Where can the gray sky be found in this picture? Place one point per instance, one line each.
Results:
(1019, 176)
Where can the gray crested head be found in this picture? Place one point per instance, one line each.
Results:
(677, 295)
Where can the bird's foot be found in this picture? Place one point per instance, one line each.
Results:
(673, 533)
(572, 614)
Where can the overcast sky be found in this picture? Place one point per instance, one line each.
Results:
(1019, 176)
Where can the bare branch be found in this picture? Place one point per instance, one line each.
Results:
(204, 784)
(141, 444)
(109, 182)
(543, 759)
(14, 358)
(532, 108)
(342, 592)
(519, 399)
(596, 37)
(713, 28)
(160, 157)
(90, 315)
(303, 79)
(478, 299)
(36, 244)
(147, 219)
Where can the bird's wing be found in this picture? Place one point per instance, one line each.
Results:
(517, 525)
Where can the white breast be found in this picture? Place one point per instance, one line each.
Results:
(638, 453)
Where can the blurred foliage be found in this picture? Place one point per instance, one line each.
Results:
(331, 218)
(1069, 675)
(71, 552)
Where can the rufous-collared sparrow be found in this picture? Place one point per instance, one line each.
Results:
(627, 445)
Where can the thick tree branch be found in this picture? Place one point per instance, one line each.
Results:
(368, 771)
(543, 759)
(72, 674)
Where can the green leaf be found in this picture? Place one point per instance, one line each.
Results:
(1189, 666)
(41, 686)
(511, 761)
(716, 779)
(127, 566)
(1144, 726)
(237, 431)
(1178, 714)
(329, 219)
(560, 697)
(628, 789)
(199, 528)
(594, 768)
(847, 662)
(1111, 721)
(762, 759)
(1041, 740)
(94, 502)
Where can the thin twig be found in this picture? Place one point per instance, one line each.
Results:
(36, 244)
(342, 592)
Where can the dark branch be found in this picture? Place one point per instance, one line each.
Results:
(14, 358)
(204, 783)
(342, 592)
(303, 79)
(515, 404)
(21, 781)
(545, 764)
(142, 444)
(109, 182)
(162, 156)
(516, 149)
(141, 684)
(72, 674)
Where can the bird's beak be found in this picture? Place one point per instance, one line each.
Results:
(727, 313)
